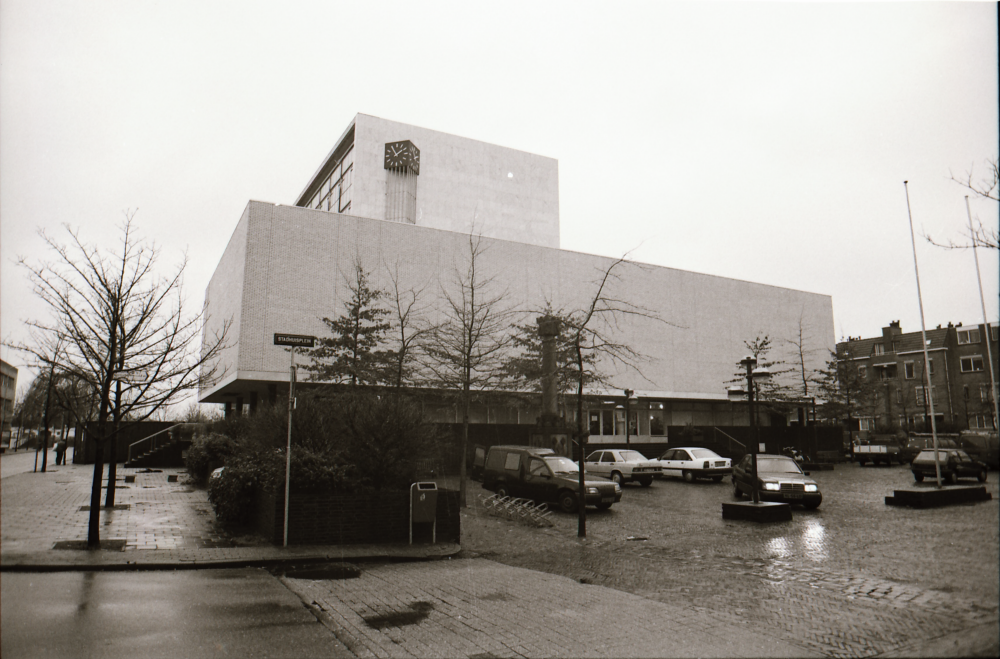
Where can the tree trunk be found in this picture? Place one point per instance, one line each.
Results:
(462, 501)
(94, 528)
(581, 439)
(109, 499)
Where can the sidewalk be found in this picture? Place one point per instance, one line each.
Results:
(156, 524)
(481, 608)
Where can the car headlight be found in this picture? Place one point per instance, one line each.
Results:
(812, 488)
(774, 487)
(592, 490)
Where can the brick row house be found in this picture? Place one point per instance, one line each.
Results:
(889, 370)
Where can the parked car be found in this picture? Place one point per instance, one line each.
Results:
(954, 464)
(542, 476)
(691, 462)
(878, 451)
(920, 441)
(779, 478)
(982, 445)
(622, 466)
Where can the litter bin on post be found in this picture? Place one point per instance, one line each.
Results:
(423, 507)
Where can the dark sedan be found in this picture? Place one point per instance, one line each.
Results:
(779, 478)
(954, 464)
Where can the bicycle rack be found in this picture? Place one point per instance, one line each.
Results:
(518, 510)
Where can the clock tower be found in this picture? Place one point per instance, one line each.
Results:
(402, 165)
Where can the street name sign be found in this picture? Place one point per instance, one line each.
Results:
(294, 340)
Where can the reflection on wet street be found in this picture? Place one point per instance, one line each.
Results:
(853, 562)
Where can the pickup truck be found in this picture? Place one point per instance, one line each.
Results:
(878, 453)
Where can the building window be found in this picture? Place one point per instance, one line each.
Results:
(866, 423)
(908, 372)
(930, 366)
(656, 426)
(968, 336)
(879, 349)
(334, 194)
(862, 372)
(919, 393)
(899, 395)
(984, 421)
(994, 332)
(984, 393)
(972, 363)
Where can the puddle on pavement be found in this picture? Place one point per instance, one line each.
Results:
(106, 545)
(325, 571)
(418, 611)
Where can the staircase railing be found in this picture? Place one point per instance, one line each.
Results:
(152, 442)
(731, 440)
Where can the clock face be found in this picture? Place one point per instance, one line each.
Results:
(402, 154)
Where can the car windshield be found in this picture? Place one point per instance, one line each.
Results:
(561, 465)
(704, 453)
(632, 456)
(778, 466)
(929, 455)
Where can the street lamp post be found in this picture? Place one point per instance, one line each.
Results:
(628, 396)
(761, 374)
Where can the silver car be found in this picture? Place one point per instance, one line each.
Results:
(622, 466)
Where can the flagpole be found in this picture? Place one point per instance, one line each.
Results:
(928, 389)
(986, 322)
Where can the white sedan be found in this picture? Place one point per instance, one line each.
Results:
(622, 466)
(691, 462)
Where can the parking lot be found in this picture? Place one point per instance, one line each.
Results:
(853, 578)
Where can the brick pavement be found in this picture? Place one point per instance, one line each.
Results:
(480, 608)
(597, 598)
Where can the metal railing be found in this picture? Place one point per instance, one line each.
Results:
(731, 439)
(152, 441)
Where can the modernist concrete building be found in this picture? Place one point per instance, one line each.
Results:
(405, 202)
(8, 389)
(959, 376)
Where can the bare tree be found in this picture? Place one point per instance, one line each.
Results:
(468, 347)
(592, 334)
(409, 326)
(988, 187)
(124, 329)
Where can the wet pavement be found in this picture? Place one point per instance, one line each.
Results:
(660, 574)
(853, 578)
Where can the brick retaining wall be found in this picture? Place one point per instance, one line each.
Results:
(344, 519)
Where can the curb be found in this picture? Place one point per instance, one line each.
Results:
(234, 563)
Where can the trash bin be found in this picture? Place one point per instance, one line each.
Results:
(423, 507)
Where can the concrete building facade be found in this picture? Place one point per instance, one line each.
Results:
(8, 393)
(284, 268)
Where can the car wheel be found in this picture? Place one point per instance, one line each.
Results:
(716, 479)
(688, 477)
(953, 477)
(645, 482)
(862, 463)
(567, 501)
(603, 506)
(918, 477)
(502, 491)
(618, 478)
(737, 494)
(982, 476)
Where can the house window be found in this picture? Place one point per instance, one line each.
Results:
(984, 393)
(919, 393)
(994, 332)
(866, 423)
(908, 370)
(862, 372)
(968, 336)
(899, 395)
(930, 366)
(879, 349)
(972, 363)
(984, 421)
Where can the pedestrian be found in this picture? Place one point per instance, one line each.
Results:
(60, 452)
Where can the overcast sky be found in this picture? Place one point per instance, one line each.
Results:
(763, 142)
